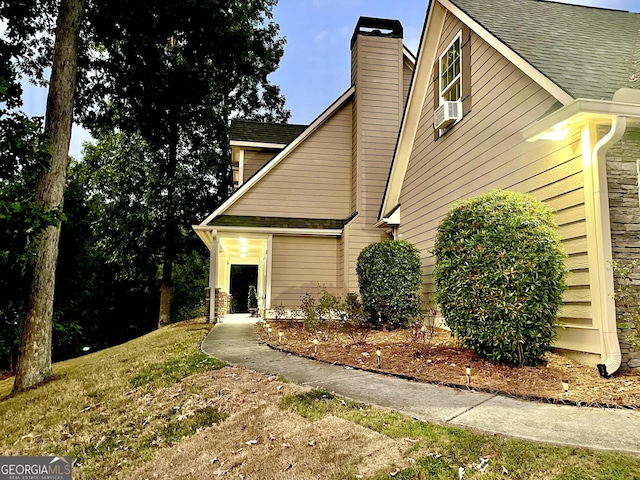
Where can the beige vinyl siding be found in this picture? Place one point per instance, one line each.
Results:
(487, 150)
(313, 181)
(301, 265)
(378, 107)
(254, 161)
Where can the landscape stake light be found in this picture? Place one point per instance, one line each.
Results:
(379, 353)
(565, 386)
(280, 340)
(269, 332)
(315, 347)
(468, 370)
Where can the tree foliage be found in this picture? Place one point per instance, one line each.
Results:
(390, 278)
(158, 83)
(500, 275)
(174, 72)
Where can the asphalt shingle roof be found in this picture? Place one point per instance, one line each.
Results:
(278, 222)
(588, 52)
(263, 132)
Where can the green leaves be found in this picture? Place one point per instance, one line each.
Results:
(390, 278)
(500, 275)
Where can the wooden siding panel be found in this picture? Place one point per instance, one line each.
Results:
(302, 265)
(254, 161)
(487, 150)
(313, 181)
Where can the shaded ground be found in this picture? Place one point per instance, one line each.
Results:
(261, 440)
(440, 359)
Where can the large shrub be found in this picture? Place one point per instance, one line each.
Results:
(500, 275)
(390, 278)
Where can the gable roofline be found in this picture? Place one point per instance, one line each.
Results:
(427, 54)
(409, 57)
(427, 51)
(271, 164)
(536, 75)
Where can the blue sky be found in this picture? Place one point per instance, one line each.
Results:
(315, 68)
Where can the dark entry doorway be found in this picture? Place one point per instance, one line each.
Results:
(241, 277)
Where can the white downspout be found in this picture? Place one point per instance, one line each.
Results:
(611, 356)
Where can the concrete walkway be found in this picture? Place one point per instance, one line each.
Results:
(234, 342)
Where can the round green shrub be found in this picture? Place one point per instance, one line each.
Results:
(500, 275)
(390, 278)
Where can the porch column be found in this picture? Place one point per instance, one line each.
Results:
(213, 277)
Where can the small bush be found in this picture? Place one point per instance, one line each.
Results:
(627, 299)
(354, 320)
(309, 311)
(328, 306)
(390, 279)
(500, 275)
(280, 312)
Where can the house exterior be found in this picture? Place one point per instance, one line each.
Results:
(525, 95)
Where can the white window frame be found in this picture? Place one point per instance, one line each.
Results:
(458, 77)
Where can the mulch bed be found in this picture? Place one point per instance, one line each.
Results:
(440, 359)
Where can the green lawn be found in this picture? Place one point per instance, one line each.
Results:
(113, 410)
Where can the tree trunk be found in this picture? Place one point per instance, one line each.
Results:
(170, 230)
(34, 355)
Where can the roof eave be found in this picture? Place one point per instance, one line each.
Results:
(316, 232)
(580, 112)
(248, 144)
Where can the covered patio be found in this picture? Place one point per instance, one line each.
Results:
(227, 248)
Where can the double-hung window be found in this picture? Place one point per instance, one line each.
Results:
(451, 71)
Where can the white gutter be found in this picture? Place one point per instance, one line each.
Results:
(611, 355)
(316, 232)
(206, 232)
(240, 143)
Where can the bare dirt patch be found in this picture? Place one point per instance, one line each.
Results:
(260, 440)
(442, 360)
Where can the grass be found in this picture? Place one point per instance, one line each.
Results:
(111, 410)
(439, 452)
(126, 411)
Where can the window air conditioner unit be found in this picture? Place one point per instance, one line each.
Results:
(447, 114)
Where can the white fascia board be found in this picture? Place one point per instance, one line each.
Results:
(391, 219)
(324, 116)
(241, 143)
(535, 74)
(315, 232)
(409, 57)
(413, 111)
(581, 111)
(206, 234)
